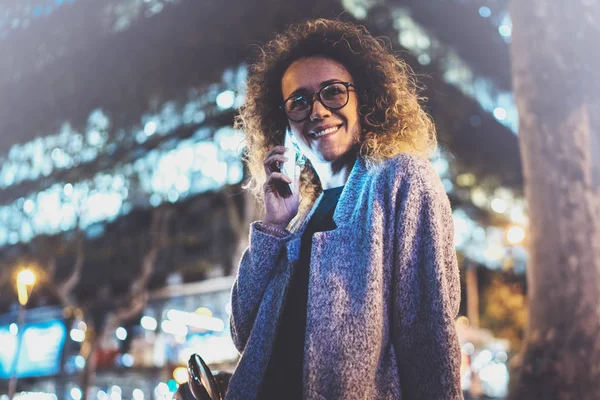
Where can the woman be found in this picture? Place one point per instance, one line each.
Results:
(350, 285)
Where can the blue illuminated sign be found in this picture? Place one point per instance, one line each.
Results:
(40, 352)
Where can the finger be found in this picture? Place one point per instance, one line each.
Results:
(272, 163)
(276, 150)
(278, 177)
(278, 184)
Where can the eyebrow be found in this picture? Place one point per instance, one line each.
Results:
(324, 83)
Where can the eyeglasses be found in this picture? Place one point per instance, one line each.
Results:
(333, 96)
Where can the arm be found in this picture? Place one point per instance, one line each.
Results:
(254, 273)
(426, 292)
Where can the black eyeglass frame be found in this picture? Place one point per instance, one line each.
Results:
(318, 97)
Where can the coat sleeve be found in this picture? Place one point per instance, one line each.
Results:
(426, 292)
(254, 273)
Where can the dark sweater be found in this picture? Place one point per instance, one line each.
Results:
(283, 379)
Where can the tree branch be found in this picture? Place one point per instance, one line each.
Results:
(66, 287)
(138, 294)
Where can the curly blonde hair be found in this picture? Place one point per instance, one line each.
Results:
(392, 119)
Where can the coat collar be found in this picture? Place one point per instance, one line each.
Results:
(348, 198)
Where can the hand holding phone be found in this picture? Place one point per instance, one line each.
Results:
(282, 186)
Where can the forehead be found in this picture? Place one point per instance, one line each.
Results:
(309, 73)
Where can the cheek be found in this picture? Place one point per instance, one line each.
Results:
(299, 138)
(353, 117)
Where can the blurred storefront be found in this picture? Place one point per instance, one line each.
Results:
(145, 360)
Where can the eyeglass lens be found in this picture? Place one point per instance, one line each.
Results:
(333, 96)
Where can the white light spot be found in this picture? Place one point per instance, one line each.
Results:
(115, 392)
(121, 333)
(94, 138)
(424, 59)
(148, 323)
(155, 200)
(14, 329)
(76, 393)
(500, 113)
(515, 234)
(468, 348)
(28, 206)
(150, 128)
(173, 196)
(505, 30)
(127, 360)
(138, 394)
(79, 362)
(423, 42)
(116, 389)
(162, 388)
(499, 205)
(115, 396)
(225, 99)
(77, 335)
(407, 39)
(501, 356)
(68, 189)
(360, 12)
(441, 165)
(478, 197)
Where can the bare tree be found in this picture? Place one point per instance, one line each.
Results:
(64, 290)
(556, 66)
(133, 303)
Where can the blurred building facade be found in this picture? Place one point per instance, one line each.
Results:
(112, 109)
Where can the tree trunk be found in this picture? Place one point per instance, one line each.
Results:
(136, 302)
(88, 374)
(472, 293)
(556, 66)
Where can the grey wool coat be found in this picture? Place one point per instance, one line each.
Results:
(384, 291)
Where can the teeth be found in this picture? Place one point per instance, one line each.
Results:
(326, 131)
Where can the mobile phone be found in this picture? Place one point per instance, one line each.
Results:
(289, 167)
(202, 383)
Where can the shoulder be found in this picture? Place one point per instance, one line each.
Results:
(410, 172)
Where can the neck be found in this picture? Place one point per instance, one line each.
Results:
(334, 173)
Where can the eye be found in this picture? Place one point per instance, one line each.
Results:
(297, 103)
(334, 90)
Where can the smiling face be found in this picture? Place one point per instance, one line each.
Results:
(325, 135)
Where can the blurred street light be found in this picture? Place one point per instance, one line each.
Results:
(25, 281)
(515, 234)
(180, 374)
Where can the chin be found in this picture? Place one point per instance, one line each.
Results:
(331, 156)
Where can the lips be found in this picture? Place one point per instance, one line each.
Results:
(321, 131)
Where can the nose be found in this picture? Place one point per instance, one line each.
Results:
(319, 111)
